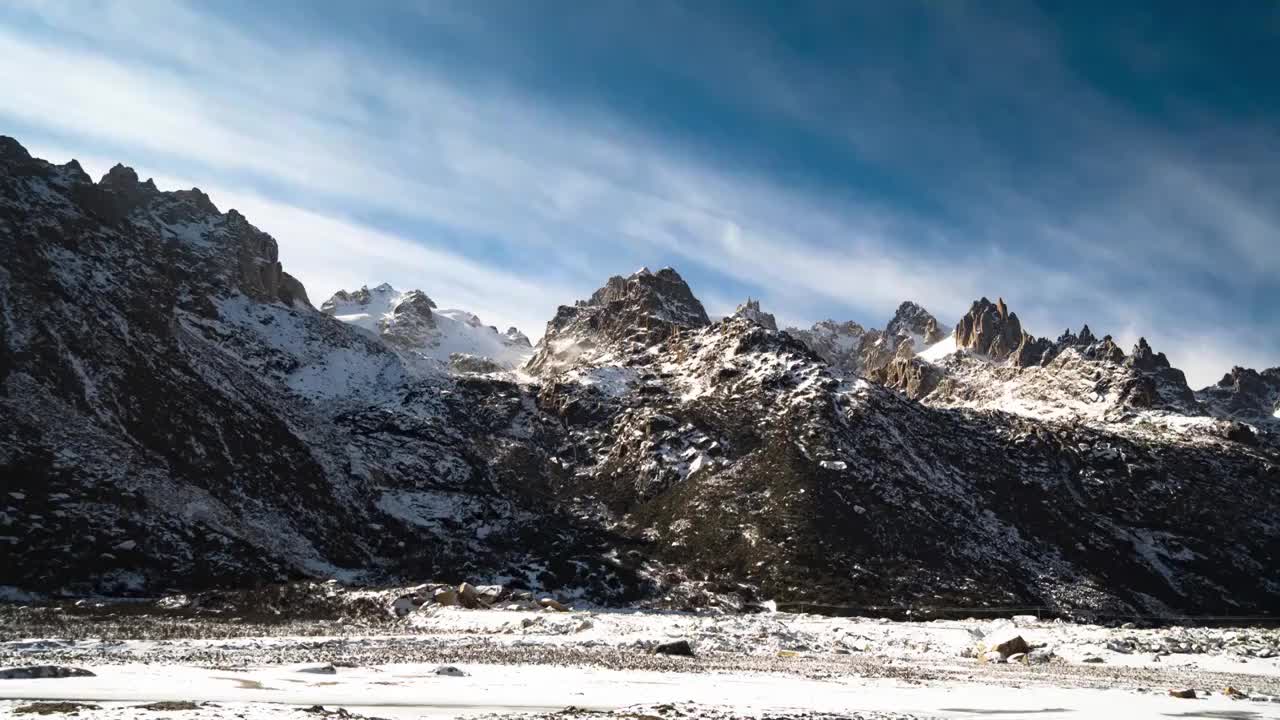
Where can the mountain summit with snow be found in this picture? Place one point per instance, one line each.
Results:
(410, 322)
(179, 416)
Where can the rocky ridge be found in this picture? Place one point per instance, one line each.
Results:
(853, 351)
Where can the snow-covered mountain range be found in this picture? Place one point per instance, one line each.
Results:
(178, 415)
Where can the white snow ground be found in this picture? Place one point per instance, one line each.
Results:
(750, 664)
(405, 691)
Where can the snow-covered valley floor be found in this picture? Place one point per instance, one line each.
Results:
(601, 664)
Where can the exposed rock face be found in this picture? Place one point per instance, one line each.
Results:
(751, 311)
(911, 375)
(854, 351)
(989, 329)
(626, 314)
(1106, 350)
(1145, 359)
(1247, 395)
(911, 321)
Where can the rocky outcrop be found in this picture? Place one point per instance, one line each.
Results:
(626, 314)
(261, 276)
(411, 321)
(910, 321)
(750, 310)
(989, 329)
(1245, 394)
(1105, 350)
(1145, 359)
(911, 375)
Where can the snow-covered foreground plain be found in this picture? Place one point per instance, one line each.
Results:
(600, 663)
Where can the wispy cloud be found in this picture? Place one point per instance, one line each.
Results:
(371, 167)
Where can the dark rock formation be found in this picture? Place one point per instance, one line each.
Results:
(911, 319)
(626, 314)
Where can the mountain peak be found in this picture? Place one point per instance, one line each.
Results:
(11, 149)
(626, 314)
(913, 321)
(750, 310)
(663, 296)
(989, 329)
(119, 177)
(411, 323)
(1144, 358)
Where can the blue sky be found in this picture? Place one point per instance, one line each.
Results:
(1090, 162)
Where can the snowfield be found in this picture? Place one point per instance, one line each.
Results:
(451, 662)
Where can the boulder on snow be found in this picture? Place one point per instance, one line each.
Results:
(446, 596)
(406, 604)
(469, 597)
(43, 672)
(1006, 643)
(553, 604)
(679, 648)
(1187, 694)
(491, 593)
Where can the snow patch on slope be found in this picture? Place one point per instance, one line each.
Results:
(939, 350)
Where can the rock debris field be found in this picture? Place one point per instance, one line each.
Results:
(446, 660)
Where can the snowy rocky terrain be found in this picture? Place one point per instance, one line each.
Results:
(388, 658)
(180, 417)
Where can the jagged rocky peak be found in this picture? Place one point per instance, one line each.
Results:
(1246, 394)
(628, 314)
(750, 310)
(383, 310)
(913, 321)
(1144, 358)
(121, 178)
(852, 350)
(219, 252)
(261, 275)
(663, 296)
(989, 329)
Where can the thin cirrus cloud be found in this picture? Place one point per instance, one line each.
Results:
(490, 193)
